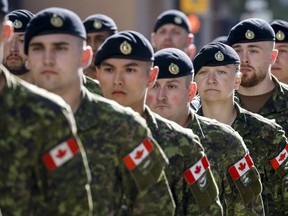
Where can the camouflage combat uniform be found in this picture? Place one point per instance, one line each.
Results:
(92, 85)
(41, 159)
(277, 106)
(109, 133)
(266, 142)
(184, 150)
(224, 147)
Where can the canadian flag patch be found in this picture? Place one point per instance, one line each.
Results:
(196, 171)
(279, 159)
(60, 154)
(241, 167)
(138, 154)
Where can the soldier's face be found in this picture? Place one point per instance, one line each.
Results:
(280, 67)
(170, 35)
(14, 56)
(125, 81)
(95, 40)
(256, 60)
(55, 61)
(217, 83)
(170, 98)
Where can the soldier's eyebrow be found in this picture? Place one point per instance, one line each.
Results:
(54, 43)
(173, 81)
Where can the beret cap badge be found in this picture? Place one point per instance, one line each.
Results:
(17, 24)
(280, 35)
(249, 34)
(125, 48)
(173, 69)
(56, 21)
(219, 56)
(97, 24)
(177, 20)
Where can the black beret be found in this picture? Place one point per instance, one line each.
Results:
(173, 17)
(222, 39)
(3, 6)
(251, 30)
(54, 20)
(280, 28)
(126, 45)
(215, 54)
(98, 23)
(173, 63)
(20, 19)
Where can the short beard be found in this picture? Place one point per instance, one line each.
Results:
(251, 81)
(17, 71)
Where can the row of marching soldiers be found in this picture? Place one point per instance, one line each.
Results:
(144, 138)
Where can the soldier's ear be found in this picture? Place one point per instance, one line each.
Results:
(274, 56)
(192, 91)
(27, 66)
(152, 39)
(87, 56)
(153, 76)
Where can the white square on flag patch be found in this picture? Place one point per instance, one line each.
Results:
(61, 153)
(279, 159)
(241, 167)
(197, 170)
(138, 154)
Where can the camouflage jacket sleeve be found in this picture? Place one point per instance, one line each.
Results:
(126, 162)
(153, 196)
(185, 154)
(45, 172)
(225, 150)
(267, 144)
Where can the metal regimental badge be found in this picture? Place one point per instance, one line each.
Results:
(125, 48)
(173, 69)
(56, 21)
(280, 35)
(177, 20)
(249, 34)
(97, 24)
(219, 56)
(17, 24)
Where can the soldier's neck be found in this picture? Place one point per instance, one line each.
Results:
(2, 81)
(222, 112)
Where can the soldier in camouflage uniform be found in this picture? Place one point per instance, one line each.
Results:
(280, 68)
(124, 158)
(217, 75)
(125, 70)
(98, 28)
(260, 92)
(170, 97)
(14, 57)
(43, 165)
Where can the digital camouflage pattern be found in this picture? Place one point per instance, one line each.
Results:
(109, 132)
(32, 123)
(92, 85)
(277, 106)
(224, 147)
(265, 140)
(183, 150)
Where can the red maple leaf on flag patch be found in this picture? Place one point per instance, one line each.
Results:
(282, 156)
(197, 169)
(61, 153)
(139, 154)
(242, 166)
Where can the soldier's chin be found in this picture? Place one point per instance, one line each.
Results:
(17, 71)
